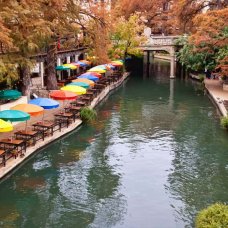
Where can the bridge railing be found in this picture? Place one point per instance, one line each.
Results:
(161, 40)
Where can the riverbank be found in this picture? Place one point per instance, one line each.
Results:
(217, 94)
(12, 164)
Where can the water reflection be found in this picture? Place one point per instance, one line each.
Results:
(198, 172)
(153, 158)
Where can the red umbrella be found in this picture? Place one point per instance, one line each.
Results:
(63, 95)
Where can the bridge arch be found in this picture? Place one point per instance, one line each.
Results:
(161, 43)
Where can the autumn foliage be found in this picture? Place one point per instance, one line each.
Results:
(28, 27)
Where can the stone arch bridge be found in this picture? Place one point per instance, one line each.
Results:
(161, 43)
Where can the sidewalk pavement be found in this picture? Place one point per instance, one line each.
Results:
(215, 89)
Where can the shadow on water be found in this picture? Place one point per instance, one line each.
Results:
(154, 157)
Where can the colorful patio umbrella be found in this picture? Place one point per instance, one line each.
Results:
(117, 62)
(10, 94)
(90, 82)
(110, 66)
(45, 103)
(103, 67)
(75, 89)
(71, 66)
(62, 95)
(93, 74)
(5, 126)
(33, 110)
(62, 67)
(14, 115)
(85, 61)
(120, 60)
(98, 70)
(81, 64)
(90, 77)
(81, 84)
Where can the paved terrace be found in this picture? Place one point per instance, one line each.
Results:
(12, 163)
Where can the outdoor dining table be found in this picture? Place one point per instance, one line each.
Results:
(73, 108)
(3, 156)
(80, 103)
(28, 135)
(18, 144)
(44, 127)
(66, 116)
(86, 99)
(93, 91)
(90, 93)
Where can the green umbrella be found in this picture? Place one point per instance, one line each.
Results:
(82, 84)
(9, 94)
(14, 115)
(62, 68)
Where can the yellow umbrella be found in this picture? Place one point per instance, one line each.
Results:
(90, 82)
(75, 89)
(71, 66)
(98, 70)
(116, 61)
(5, 126)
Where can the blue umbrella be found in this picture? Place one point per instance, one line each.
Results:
(82, 84)
(82, 64)
(91, 74)
(46, 103)
(90, 77)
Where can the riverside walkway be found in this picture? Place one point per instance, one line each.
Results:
(219, 96)
(49, 115)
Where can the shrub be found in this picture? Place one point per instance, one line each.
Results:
(215, 216)
(201, 77)
(224, 122)
(87, 114)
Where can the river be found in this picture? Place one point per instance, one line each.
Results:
(155, 156)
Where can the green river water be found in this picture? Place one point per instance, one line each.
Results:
(155, 156)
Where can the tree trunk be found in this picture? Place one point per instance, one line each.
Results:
(24, 84)
(51, 73)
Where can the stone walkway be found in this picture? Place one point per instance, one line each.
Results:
(215, 89)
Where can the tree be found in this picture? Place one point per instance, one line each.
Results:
(186, 10)
(207, 46)
(25, 29)
(33, 26)
(8, 71)
(96, 21)
(127, 36)
(156, 14)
